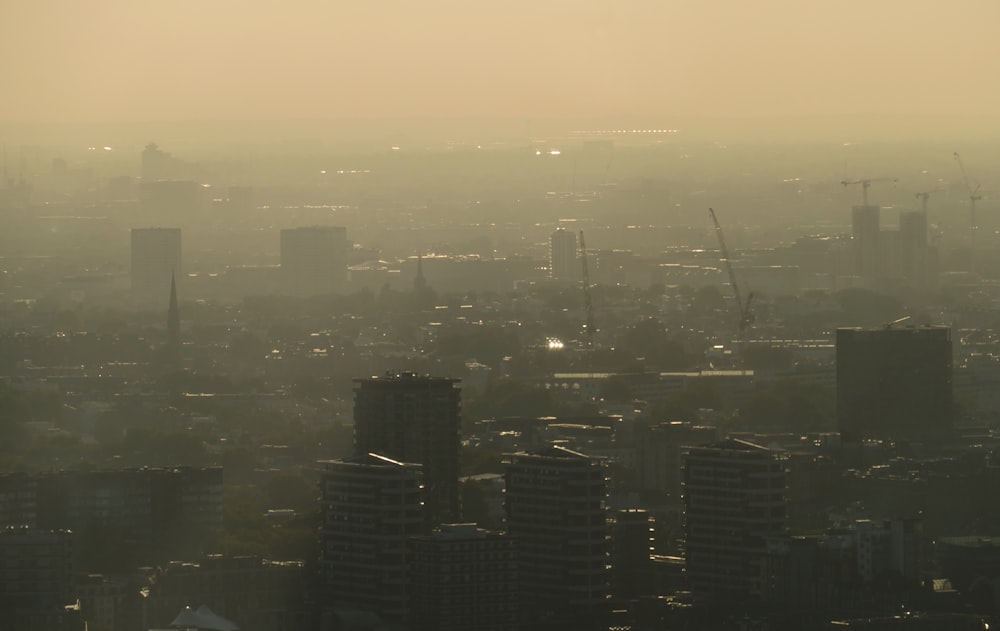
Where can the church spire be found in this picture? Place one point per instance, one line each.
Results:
(173, 319)
(420, 282)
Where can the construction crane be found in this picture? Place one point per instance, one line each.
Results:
(588, 304)
(742, 307)
(865, 183)
(974, 197)
(924, 196)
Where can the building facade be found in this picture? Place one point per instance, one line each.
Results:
(156, 260)
(463, 577)
(314, 260)
(563, 260)
(555, 505)
(371, 506)
(414, 418)
(894, 382)
(734, 498)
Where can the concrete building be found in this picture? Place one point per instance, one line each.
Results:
(149, 514)
(36, 570)
(659, 454)
(172, 200)
(156, 261)
(734, 498)
(894, 382)
(630, 553)
(253, 592)
(555, 504)
(865, 232)
(914, 252)
(414, 418)
(314, 260)
(563, 261)
(463, 577)
(371, 506)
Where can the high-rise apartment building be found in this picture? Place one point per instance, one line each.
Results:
(371, 506)
(314, 259)
(734, 498)
(156, 261)
(894, 382)
(865, 232)
(414, 418)
(563, 261)
(630, 554)
(555, 504)
(463, 577)
(914, 253)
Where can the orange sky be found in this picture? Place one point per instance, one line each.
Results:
(136, 60)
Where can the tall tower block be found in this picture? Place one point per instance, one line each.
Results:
(156, 261)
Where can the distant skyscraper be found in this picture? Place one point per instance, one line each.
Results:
(156, 260)
(173, 201)
(555, 503)
(371, 506)
(155, 163)
(914, 255)
(865, 228)
(734, 497)
(414, 418)
(314, 259)
(563, 261)
(894, 382)
(173, 347)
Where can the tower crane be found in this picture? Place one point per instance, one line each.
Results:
(924, 196)
(588, 304)
(865, 183)
(974, 197)
(742, 307)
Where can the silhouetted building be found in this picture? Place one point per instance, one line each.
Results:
(555, 504)
(463, 577)
(659, 452)
(146, 514)
(156, 163)
(241, 199)
(256, 593)
(894, 382)
(563, 261)
(414, 418)
(734, 497)
(371, 505)
(36, 570)
(963, 560)
(171, 200)
(314, 259)
(156, 261)
(914, 253)
(630, 552)
(865, 232)
(173, 345)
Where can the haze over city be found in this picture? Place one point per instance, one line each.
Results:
(632, 316)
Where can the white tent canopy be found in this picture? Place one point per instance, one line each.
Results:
(202, 618)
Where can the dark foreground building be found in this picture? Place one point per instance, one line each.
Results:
(414, 418)
(734, 498)
(894, 382)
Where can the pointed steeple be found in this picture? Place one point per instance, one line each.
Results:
(420, 282)
(173, 318)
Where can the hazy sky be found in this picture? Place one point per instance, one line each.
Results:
(136, 60)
